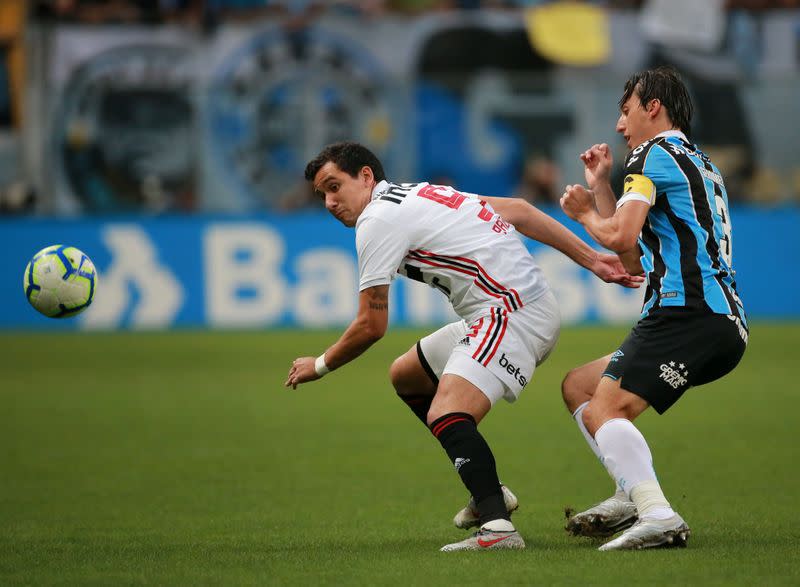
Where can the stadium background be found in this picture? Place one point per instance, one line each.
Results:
(170, 145)
(167, 138)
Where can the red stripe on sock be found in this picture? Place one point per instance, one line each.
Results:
(446, 424)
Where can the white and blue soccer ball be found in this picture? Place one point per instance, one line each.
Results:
(60, 281)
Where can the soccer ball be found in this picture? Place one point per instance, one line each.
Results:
(60, 281)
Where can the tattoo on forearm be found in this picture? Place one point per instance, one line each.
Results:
(379, 299)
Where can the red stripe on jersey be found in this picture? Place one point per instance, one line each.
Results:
(489, 277)
(478, 268)
(505, 299)
(471, 274)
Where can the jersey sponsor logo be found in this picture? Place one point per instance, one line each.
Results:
(513, 370)
(675, 376)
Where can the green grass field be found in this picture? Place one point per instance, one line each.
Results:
(181, 459)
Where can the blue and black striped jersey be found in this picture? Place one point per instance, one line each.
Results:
(686, 239)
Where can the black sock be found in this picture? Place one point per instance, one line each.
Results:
(473, 459)
(419, 404)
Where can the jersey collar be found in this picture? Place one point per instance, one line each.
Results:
(379, 188)
(672, 133)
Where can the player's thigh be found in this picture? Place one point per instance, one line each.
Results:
(418, 370)
(580, 383)
(456, 394)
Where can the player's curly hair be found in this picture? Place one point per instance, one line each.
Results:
(349, 157)
(663, 84)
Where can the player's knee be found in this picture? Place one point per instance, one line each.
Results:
(402, 377)
(396, 375)
(571, 393)
(433, 415)
(590, 418)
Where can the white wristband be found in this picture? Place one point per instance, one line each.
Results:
(320, 367)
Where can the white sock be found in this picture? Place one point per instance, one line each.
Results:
(577, 415)
(628, 459)
(650, 501)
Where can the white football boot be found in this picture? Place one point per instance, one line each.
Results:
(650, 533)
(469, 516)
(608, 517)
(494, 535)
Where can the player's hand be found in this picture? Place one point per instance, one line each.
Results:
(609, 268)
(302, 371)
(577, 201)
(597, 164)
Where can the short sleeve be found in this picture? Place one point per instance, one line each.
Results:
(647, 173)
(381, 247)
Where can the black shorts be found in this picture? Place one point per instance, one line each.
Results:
(673, 349)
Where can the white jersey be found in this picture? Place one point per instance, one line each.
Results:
(450, 240)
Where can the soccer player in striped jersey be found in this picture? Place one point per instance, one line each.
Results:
(672, 223)
(466, 247)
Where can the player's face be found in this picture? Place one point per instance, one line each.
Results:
(345, 196)
(634, 122)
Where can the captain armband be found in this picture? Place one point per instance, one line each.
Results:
(639, 188)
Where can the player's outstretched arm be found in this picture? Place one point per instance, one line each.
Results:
(535, 224)
(367, 328)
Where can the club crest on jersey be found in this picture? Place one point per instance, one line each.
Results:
(675, 376)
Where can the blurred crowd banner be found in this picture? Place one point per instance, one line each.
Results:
(300, 270)
(163, 119)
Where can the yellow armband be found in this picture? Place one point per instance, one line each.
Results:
(638, 187)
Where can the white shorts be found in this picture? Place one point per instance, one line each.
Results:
(498, 352)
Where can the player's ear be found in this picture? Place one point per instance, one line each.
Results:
(366, 173)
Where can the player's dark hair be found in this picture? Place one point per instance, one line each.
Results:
(347, 156)
(663, 84)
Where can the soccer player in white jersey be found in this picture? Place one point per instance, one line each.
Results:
(466, 247)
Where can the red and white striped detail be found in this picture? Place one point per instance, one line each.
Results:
(492, 337)
(471, 267)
